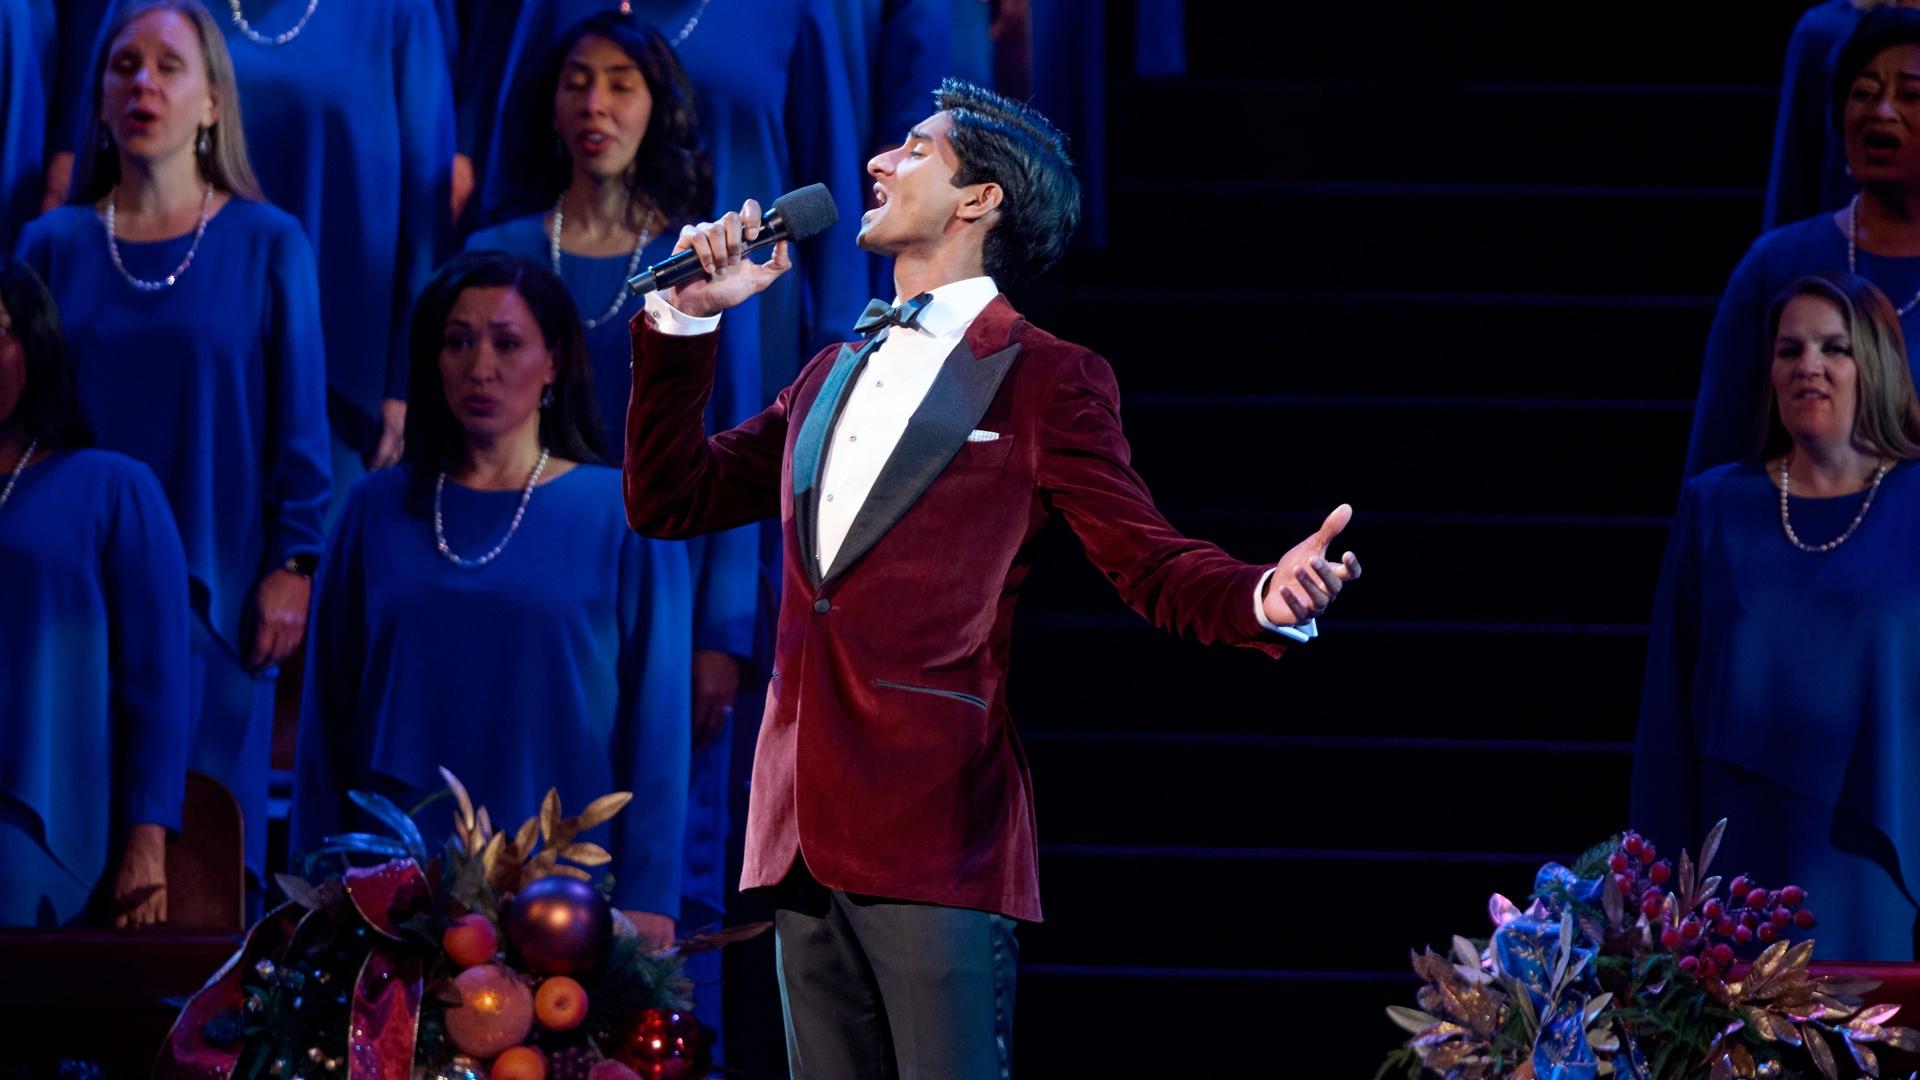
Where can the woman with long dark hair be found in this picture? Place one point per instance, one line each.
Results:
(485, 607)
(93, 681)
(620, 169)
(193, 318)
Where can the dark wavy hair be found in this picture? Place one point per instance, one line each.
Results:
(1004, 142)
(570, 427)
(1886, 416)
(1881, 29)
(49, 407)
(671, 172)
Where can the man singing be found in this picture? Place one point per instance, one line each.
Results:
(892, 811)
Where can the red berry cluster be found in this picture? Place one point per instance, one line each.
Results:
(1706, 939)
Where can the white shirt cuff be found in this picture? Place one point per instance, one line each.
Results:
(1301, 634)
(672, 321)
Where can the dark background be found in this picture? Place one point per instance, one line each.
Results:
(1454, 264)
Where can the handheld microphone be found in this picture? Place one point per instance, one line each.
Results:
(796, 215)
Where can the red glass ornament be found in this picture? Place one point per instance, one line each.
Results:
(663, 1046)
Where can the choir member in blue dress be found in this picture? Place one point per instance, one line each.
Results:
(1782, 688)
(1877, 234)
(93, 681)
(24, 31)
(626, 172)
(193, 317)
(772, 125)
(350, 117)
(484, 607)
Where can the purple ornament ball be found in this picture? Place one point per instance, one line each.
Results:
(559, 926)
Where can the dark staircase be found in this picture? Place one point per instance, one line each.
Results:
(1453, 264)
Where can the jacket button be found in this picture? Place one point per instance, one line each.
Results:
(822, 606)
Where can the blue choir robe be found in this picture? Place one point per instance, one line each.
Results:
(25, 33)
(1739, 354)
(1783, 693)
(93, 680)
(350, 129)
(896, 52)
(563, 663)
(80, 25)
(218, 384)
(1809, 171)
(776, 122)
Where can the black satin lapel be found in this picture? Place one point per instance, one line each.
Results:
(954, 403)
(809, 449)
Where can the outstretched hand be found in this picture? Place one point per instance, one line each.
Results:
(1305, 583)
(732, 277)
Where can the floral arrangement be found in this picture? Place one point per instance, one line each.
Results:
(1629, 965)
(499, 957)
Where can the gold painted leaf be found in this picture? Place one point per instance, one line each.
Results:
(1769, 1026)
(1901, 1038)
(563, 833)
(523, 838)
(586, 854)
(1799, 955)
(545, 861)
(603, 808)
(460, 799)
(299, 891)
(1707, 889)
(1742, 1060)
(549, 812)
(1844, 987)
(1594, 1008)
(1711, 846)
(1765, 967)
(1874, 1016)
(490, 855)
(570, 871)
(1684, 879)
(1465, 953)
(1821, 1053)
(1722, 1068)
(1413, 1021)
(486, 825)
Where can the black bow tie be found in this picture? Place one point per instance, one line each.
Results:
(880, 315)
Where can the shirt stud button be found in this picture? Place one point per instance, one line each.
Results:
(822, 606)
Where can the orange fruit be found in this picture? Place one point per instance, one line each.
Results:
(519, 1063)
(560, 1004)
(471, 940)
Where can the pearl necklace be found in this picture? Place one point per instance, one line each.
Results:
(626, 8)
(7, 492)
(439, 525)
(633, 263)
(247, 31)
(1820, 549)
(113, 243)
(1853, 244)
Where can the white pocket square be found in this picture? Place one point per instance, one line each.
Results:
(976, 435)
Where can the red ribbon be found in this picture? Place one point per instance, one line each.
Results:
(385, 1016)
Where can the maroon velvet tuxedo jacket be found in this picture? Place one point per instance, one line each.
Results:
(886, 753)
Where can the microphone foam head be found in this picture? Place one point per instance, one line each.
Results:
(808, 211)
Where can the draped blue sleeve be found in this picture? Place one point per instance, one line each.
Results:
(423, 89)
(1731, 373)
(1809, 170)
(484, 55)
(329, 697)
(1665, 794)
(820, 133)
(23, 119)
(651, 748)
(143, 574)
(94, 695)
(299, 481)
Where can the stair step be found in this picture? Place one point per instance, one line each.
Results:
(1221, 792)
(1358, 909)
(1171, 338)
(1073, 1021)
(1457, 237)
(1579, 571)
(1334, 129)
(1407, 41)
(1121, 676)
(1420, 454)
